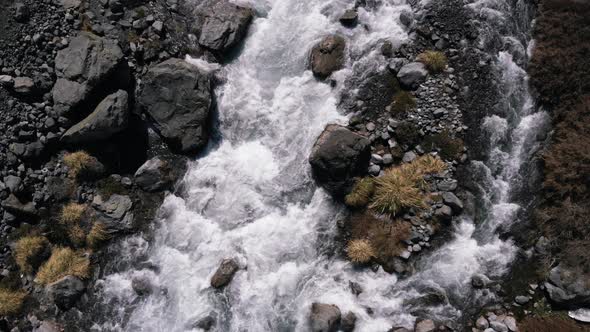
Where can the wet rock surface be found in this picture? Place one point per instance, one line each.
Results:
(324, 317)
(328, 56)
(225, 273)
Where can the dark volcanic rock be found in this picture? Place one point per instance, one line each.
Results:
(115, 213)
(15, 206)
(81, 67)
(348, 322)
(327, 56)
(66, 291)
(324, 317)
(412, 75)
(224, 24)
(177, 97)
(567, 288)
(109, 117)
(224, 273)
(349, 18)
(154, 175)
(337, 157)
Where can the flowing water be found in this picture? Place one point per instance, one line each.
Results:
(252, 197)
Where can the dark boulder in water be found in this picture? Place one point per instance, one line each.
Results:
(338, 156)
(225, 273)
(324, 317)
(327, 56)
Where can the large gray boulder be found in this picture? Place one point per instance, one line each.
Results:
(337, 157)
(155, 174)
(81, 67)
(65, 292)
(324, 317)
(13, 205)
(412, 75)
(568, 289)
(225, 273)
(109, 117)
(177, 97)
(327, 56)
(223, 24)
(115, 213)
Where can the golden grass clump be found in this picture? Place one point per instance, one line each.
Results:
(28, 250)
(63, 262)
(435, 61)
(403, 101)
(384, 235)
(77, 162)
(360, 251)
(402, 187)
(97, 235)
(361, 193)
(11, 301)
(70, 217)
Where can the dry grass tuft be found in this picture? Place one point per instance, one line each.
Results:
(402, 187)
(63, 262)
(71, 216)
(97, 235)
(28, 251)
(385, 236)
(361, 193)
(77, 162)
(11, 301)
(360, 251)
(435, 61)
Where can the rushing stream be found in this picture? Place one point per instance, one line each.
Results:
(252, 196)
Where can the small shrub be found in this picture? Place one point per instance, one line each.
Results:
(63, 262)
(403, 101)
(11, 301)
(29, 251)
(360, 251)
(361, 193)
(448, 147)
(407, 133)
(72, 213)
(77, 162)
(402, 187)
(435, 61)
(97, 235)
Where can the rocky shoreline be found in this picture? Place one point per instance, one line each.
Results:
(100, 113)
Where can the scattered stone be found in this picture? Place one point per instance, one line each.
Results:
(21, 12)
(154, 175)
(498, 326)
(23, 85)
(453, 201)
(409, 157)
(482, 323)
(327, 56)
(522, 300)
(406, 18)
(115, 213)
(324, 317)
(225, 273)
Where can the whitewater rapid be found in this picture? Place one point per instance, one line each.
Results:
(251, 197)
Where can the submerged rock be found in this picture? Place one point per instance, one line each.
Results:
(327, 56)
(337, 157)
(224, 273)
(348, 322)
(177, 97)
(349, 18)
(324, 317)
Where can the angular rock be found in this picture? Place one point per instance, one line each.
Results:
(177, 97)
(412, 75)
(47, 326)
(66, 291)
(109, 117)
(567, 289)
(115, 213)
(444, 213)
(225, 273)
(23, 85)
(82, 66)
(224, 24)
(482, 323)
(324, 317)
(349, 18)
(13, 183)
(21, 12)
(155, 174)
(348, 322)
(13, 205)
(328, 56)
(498, 326)
(426, 325)
(337, 157)
(453, 201)
(406, 17)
